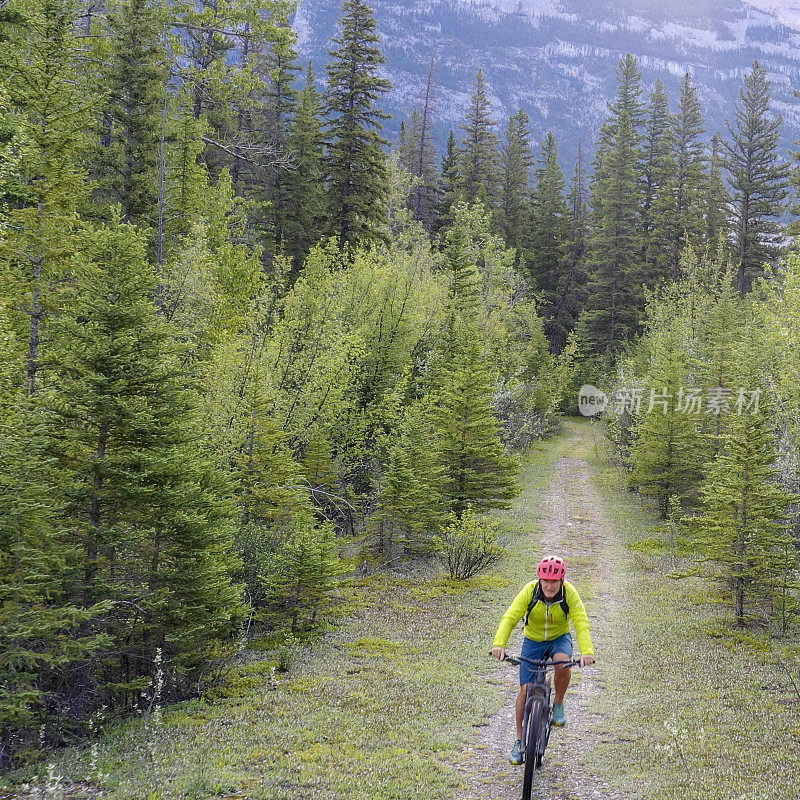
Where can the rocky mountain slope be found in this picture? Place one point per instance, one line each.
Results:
(556, 58)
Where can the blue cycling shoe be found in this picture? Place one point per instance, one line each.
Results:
(559, 717)
(516, 753)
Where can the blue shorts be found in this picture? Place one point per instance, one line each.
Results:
(541, 650)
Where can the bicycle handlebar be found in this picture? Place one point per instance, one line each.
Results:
(540, 663)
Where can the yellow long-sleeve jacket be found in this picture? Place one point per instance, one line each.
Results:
(547, 621)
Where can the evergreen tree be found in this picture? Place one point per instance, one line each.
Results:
(130, 139)
(550, 228)
(688, 176)
(615, 278)
(742, 529)
(48, 89)
(678, 206)
(477, 472)
(572, 289)
(479, 153)
(418, 158)
(356, 162)
(665, 453)
(42, 634)
(280, 68)
(659, 167)
(411, 505)
(716, 202)
(305, 204)
(615, 282)
(758, 178)
(518, 161)
(149, 510)
(448, 184)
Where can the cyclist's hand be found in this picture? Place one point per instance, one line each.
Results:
(587, 661)
(499, 653)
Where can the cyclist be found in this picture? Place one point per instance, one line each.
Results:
(548, 605)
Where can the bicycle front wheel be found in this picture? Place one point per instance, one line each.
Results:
(533, 735)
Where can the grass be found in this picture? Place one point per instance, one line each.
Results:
(695, 710)
(380, 707)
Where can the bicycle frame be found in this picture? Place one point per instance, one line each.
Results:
(540, 687)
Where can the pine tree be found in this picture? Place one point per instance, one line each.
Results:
(716, 202)
(305, 205)
(572, 289)
(742, 529)
(477, 472)
(479, 153)
(448, 184)
(758, 178)
(131, 125)
(659, 167)
(411, 504)
(151, 513)
(665, 453)
(615, 278)
(417, 157)
(356, 161)
(49, 90)
(518, 161)
(549, 235)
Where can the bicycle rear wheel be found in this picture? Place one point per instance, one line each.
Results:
(533, 735)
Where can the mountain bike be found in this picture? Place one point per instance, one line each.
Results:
(538, 717)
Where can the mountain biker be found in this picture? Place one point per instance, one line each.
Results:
(548, 604)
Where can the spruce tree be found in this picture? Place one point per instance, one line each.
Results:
(658, 167)
(549, 235)
(48, 89)
(131, 125)
(280, 67)
(449, 182)
(479, 153)
(477, 472)
(304, 216)
(615, 299)
(665, 453)
(688, 177)
(518, 162)
(742, 529)
(615, 278)
(411, 504)
(758, 178)
(716, 202)
(356, 162)
(43, 634)
(151, 513)
(417, 157)
(572, 289)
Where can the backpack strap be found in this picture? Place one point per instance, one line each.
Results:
(535, 599)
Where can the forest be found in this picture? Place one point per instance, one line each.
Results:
(252, 348)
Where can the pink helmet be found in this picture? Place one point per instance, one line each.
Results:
(551, 568)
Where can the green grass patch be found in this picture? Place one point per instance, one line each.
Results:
(693, 709)
(380, 707)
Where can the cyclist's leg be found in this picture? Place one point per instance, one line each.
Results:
(521, 697)
(562, 651)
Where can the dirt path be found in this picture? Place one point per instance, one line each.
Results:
(574, 524)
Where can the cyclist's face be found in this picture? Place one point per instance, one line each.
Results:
(550, 588)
